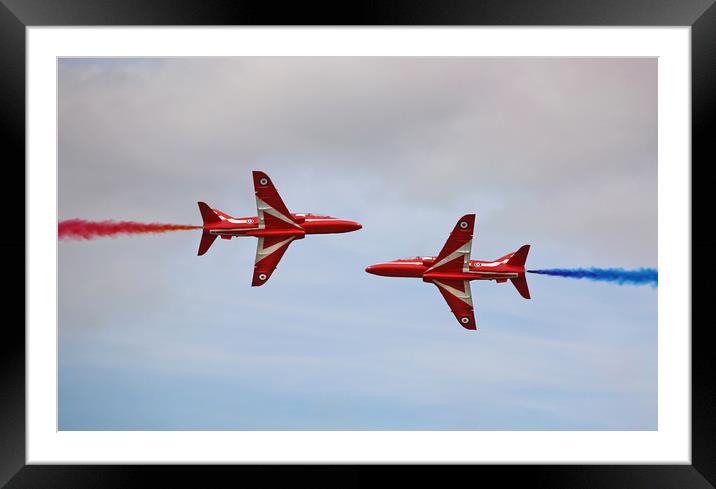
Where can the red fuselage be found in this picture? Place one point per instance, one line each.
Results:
(452, 270)
(418, 268)
(229, 227)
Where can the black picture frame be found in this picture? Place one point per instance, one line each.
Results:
(16, 15)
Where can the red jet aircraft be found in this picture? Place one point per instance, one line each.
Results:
(452, 270)
(274, 226)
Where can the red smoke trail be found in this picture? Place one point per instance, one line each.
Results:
(81, 229)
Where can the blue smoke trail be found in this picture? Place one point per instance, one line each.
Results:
(641, 276)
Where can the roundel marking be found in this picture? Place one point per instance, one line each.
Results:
(263, 181)
(464, 320)
(262, 276)
(463, 224)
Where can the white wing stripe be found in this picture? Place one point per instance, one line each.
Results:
(262, 252)
(262, 207)
(464, 250)
(466, 296)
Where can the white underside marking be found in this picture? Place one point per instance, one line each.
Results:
(226, 230)
(495, 263)
(466, 296)
(262, 252)
(464, 250)
(262, 207)
(504, 274)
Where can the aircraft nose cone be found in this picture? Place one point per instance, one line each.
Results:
(382, 269)
(347, 226)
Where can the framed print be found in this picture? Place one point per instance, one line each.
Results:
(563, 149)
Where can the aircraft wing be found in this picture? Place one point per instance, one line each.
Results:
(459, 297)
(268, 253)
(272, 212)
(455, 255)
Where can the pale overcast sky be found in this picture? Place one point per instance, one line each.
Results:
(557, 153)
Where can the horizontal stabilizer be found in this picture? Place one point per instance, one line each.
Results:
(520, 284)
(206, 241)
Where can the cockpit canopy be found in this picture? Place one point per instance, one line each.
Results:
(426, 260)
(301, 217)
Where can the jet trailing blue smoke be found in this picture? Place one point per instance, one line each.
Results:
(640, 276)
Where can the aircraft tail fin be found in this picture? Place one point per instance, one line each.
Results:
(520, 284)
(519, 258)
(209, 217)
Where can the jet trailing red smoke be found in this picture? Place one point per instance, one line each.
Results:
(82, 229)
